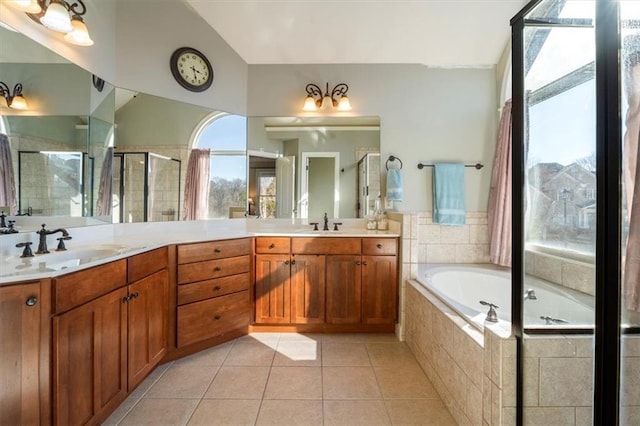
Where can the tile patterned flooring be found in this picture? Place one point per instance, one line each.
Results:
(289, 379)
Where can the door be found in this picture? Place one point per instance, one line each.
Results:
(148, 321)
(379, 289)
(307, 289)
(90, 348)
(320, 185)
(273, 289)
(286, 186)
(343, 289)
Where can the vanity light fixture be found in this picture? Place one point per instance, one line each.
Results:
(58, 15)
(15, 100)
(337, 98)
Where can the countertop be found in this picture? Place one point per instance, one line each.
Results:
(95, 245)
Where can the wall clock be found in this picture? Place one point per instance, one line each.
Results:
(98, 83)
(191, 69)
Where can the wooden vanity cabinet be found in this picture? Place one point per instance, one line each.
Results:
(273, 289)
(24, 359)
(213, 298)
(344, 289)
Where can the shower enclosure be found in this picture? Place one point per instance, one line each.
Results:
(368, 183)
(146, 187)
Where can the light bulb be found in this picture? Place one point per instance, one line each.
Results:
(309, 104)
(18, 102)
(57, 18)
(80, 33)
(28, 6)
(344, 104)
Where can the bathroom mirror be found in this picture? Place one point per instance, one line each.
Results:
(302, 167)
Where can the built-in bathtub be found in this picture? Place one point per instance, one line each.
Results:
(463, 287)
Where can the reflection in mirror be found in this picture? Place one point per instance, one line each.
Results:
(302, 167)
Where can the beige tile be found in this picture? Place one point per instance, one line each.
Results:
(298, 353)
(349, 383)
(566, 382)
(391, 354)
(159, 412)
(290, 412)
(345, 354)
(418, 412)
(441, 253)
(359, 338)
(172, 384)
(296, 337)
(454, 234)
(580, 277)
(355, 412)
(406, 383)
(478, 234)
(630, 416)
(294, 383)
(473, 407)
(630, 346)
(557, 416)
(268, 339)
(212, 356)
(212, 412)
(549, 347)
(548, 268)
(584, 415)
(630, 381)
(239, 383)
(250, 353)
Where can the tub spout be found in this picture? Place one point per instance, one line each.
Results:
(552, 321)
(530, 294)
(492, 315)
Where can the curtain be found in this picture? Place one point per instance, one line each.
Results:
(499, 209)
(105, 188)
(7, 179)
(196, 190)
(632, 183)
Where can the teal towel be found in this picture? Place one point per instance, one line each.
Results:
(394, 185)
(448, 194)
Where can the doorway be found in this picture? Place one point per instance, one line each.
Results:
(320, 185)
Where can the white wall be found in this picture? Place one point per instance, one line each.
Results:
(426, 114)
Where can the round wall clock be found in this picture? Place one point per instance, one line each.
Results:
(191, 69)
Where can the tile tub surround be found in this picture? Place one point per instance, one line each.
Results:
(569, 273)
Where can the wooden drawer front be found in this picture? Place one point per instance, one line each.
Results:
(213, 317)
(82, 286)
(273, 245)
(195, 292)
(213, 250)
(379, 246)
(325, 245)
(213, 269)
(144, 264)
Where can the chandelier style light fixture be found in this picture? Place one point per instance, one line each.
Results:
(15, 100)
(58, 15)
(337, 98)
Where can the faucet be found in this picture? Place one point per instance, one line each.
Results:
(28, 213)
(42, 246)
(326, 223)
(530, 294)
(492, 315)
(3, 224)
(553, 321)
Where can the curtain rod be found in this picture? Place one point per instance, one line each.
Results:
(477, 166)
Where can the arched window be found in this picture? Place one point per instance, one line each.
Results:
(226, 136)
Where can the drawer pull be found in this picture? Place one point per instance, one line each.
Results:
(217, 250)
(272, 246)
(217, 269)
(379, 245)
(31, 301)
(217, 288)
(217, 317)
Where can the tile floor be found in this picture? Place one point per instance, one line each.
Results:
(289, 379)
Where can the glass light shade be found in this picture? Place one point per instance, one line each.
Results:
(28, 6)
(327, 103)
(18, 102)
(309, 104)
(80, 33)
(344, 104)
(57, 18)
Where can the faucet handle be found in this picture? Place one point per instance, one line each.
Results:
(315, 225)
(27, 249)
(61, 241)
(335, 225)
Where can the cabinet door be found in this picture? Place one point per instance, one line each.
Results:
(90, 349)
(307, 289)
(20, 314)
(343, 289)
(148, 321)
(273, 289)
(379, 289)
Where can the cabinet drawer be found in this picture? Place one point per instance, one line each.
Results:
(145, 264)
(213, 250)
(325, 245)
(195, 292)
(275, 245)
(379, 246)
(82, 286)
(213, 317)
(199, 271)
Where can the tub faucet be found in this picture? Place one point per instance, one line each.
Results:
(552, 321)
(530, 294)
(492, 315)
(42, 246)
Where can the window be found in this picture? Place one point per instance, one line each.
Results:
(225, 135)
(266, 193)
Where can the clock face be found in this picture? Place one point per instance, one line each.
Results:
(191, 69)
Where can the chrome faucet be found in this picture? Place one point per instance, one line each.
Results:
(553, 321)
(492, 315)
(326, 223)
(42, 245)
(530, 294)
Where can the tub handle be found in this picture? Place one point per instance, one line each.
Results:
(492, 315)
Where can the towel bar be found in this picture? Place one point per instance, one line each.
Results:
(477, 166)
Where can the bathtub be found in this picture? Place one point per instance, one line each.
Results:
(462, 287)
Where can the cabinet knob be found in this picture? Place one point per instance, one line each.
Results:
(286, 262)
(217, 317)
(379, 245)
(217, 269)
(293, 262)
(272, 246)
(217, 288)
(358, 263)
(126, 298)
(135, 295)
(364, 263)
(31, 301)
(217, 250)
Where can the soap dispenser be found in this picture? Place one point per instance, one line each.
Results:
(382, 221)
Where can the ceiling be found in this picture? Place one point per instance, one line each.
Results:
(441, 33)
